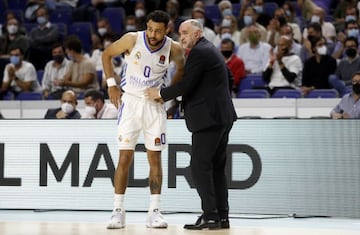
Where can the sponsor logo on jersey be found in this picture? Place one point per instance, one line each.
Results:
(157, 142)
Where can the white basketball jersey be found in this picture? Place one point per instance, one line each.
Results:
(144, 67)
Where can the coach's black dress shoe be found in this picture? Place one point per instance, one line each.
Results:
(224, 223)
(203, 224)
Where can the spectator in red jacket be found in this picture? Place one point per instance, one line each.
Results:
(234, 63)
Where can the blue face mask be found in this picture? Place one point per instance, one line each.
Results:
(259, 9)
(353, 33)
(15, 60)
(350, 18)
(41, 20)
(247, 20)
(227, 12)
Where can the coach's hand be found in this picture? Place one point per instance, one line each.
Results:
(153, 93)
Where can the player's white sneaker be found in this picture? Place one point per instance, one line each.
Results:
(117, 219)
(156, 220)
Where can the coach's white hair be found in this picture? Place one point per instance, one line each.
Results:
(195, 24)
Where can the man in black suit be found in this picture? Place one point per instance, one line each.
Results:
(67, 109)
(209, 115)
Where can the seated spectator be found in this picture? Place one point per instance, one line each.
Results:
(12, 38)
(234, 63)
(140, 14)
(11, 15)
(31, 8)
(286, 30)
(199, 14)
(262, 17)
(96, 108)
(19, 75)
(55, 70)
(249, 19)
(67, 109)
(131, 24)
(103, 27)
(349, 106)
(345, 12)
(42, 38)
(81, 74)
(284, 69)
(350, 64)
(314, 30)
(254, 53)
(327, 28)
(351, 30)
(280, 19)
(230, 29)
(172, 8)
(318, 68)
(208, 22)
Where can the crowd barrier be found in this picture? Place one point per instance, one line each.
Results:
(245, 108)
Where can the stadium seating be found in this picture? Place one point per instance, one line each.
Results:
(287, 93)
(253, 93)
(83, 30)
(323, 93)
(116, 17)
(17, 4)
(251, 81)
(29, 96)
(61, 16)
(40, 74)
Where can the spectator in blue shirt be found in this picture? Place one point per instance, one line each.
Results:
(349, 106)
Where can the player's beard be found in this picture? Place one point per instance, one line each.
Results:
(157, 43)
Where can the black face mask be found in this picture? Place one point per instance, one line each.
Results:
(351, 52)
(285, 51)
(226, 54)
(356, 88)
(58, 58)
(282, 20)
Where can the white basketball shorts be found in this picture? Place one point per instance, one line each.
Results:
(140, 114)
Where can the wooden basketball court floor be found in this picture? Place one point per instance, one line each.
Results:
(28, 222)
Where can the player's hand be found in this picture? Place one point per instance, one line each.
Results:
(152, 93)
(115, 96)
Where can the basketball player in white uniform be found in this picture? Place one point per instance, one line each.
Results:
(147, 57)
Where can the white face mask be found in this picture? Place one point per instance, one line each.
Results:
(321, 50)
(90, 110)
(12, 29)
(102, 31)
(139, 13)
(201, 21)
(315, 19)
(67, 108)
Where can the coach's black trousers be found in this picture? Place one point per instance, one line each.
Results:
(208, 170)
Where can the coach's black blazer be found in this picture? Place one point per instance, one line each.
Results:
(204, 89)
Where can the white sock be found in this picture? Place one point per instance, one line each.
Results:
(119, 201)
(154, 202)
